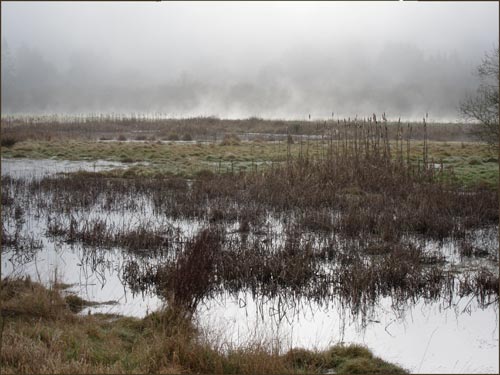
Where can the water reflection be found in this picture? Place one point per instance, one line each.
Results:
(424, 335)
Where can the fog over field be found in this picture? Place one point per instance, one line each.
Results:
(277, 60)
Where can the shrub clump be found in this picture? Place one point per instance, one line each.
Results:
(8, 141)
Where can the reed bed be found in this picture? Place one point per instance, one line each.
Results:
(159, 126)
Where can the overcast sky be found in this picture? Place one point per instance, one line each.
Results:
(279, 60)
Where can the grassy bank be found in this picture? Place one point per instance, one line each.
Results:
(41, 334)
(472, 163)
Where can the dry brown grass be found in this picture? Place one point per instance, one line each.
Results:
(41, 335)
(21, 297)
(111, 126)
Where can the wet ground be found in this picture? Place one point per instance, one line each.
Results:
(443, 336)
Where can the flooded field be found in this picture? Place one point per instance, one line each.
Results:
(252, 265)
(301, 188)
(35, 169)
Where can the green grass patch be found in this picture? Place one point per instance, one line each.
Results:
(473, 163)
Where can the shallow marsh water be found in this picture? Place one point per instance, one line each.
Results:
(427, 337)
(35, 168)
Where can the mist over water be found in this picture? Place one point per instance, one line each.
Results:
(276, 60)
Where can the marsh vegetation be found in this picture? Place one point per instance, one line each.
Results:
(350, 212)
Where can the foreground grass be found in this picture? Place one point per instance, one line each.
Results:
(41, 335)
(472, 163)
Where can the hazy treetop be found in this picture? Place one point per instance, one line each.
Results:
(281, 59)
